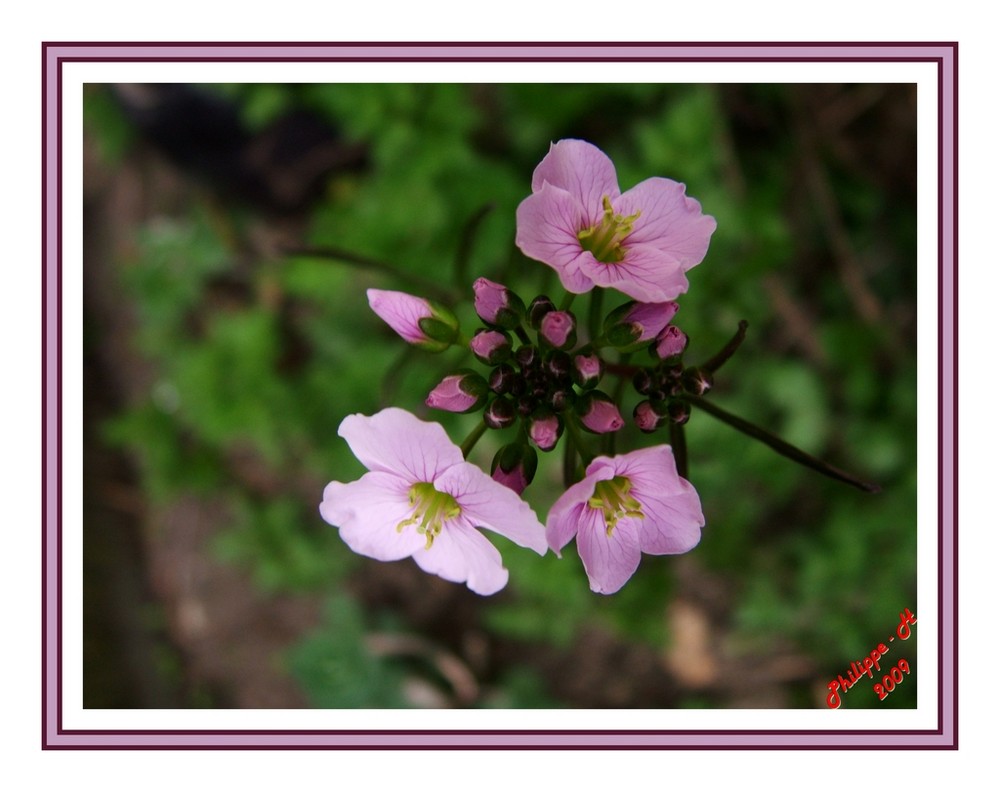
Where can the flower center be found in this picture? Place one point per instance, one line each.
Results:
(605, 239)
(431, 509)
(613, 499)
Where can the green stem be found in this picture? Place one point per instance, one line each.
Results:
(521, 334)
(679, 443)
(464, 252)
(346, 257)
(573, 431)
(470, 442)
(611, 438)
(715, 362)
(594, 314)
(567, 301)
(779, 445)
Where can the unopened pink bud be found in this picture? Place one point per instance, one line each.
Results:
(490, 346)
(515, 479)
(602, 415)
(651, 318)
(587, 369)
(558, 328)
(544, 431)
(671, 342)
(451, 396)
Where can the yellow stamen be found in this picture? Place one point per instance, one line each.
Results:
(612, 497)
(605, 239)
(431, 509)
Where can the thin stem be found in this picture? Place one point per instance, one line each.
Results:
(355, 260)
(567, 301)
(715, 362)
(569, 459)
(464, 252)
(594, 314)
(679, 443)
(470, 442)
(573, 431)
(611, 439)
(779, 445)
(520, 332)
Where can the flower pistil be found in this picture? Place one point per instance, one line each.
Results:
(612, 497)
(604, 240)
(432, 509)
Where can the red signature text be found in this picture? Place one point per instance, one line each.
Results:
(870, 663)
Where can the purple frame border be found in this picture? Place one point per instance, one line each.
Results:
(54, 736)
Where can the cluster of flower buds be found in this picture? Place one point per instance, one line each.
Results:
(539, 378)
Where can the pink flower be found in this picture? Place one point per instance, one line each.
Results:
(418, 321)
(421, 499)
(640, 242)
(626, 506)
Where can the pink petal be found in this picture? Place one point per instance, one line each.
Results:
(673, 516)
(367, 512)
(547, 226)
(582, 170)
(609, 560)
(668, 220)
(396, 441)
(486, 503)
(566, 513)
(401, 311)
(463, 555)
(645, 274)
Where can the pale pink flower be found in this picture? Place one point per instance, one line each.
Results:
(640, 242)
(626, 506)
(421, 499)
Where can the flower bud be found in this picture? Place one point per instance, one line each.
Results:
(558, 328)
(460, 393)
(649, 416)
(671, 342)
(697, 381)
(538, 307)
(418, 321)
(544, 429)
(598, 413)
(497, 305)
(559, 365)
(679, 411)
(500, 413)
(490, 346)
(588, 369)
(527, 357)
(635, 324)
(502, 378)
(514, 466)
(643, 381)
(562, 399)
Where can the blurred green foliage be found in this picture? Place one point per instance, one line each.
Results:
(265, 354)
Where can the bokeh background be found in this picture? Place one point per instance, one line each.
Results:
(230, 232)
